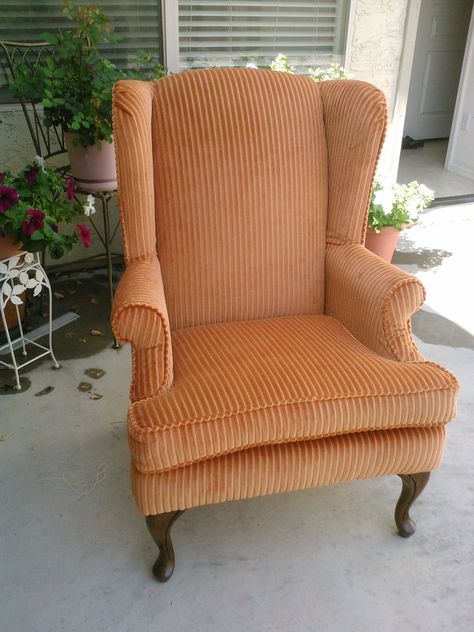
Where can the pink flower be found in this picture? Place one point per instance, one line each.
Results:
(8, 197)
(70, 184)
(84, 234)
(34, 223)
(31, 175)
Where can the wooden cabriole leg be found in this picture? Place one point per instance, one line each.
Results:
(160, 524)
(413, 485)
(160, 527)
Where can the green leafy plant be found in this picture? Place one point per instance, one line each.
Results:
(75, 83)
(281, 64)
(33, 205)
(397, 205)
(147, 67)
(333, 71)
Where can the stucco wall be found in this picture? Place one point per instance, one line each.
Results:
(374, 54)
(377, 41)
(15, 142)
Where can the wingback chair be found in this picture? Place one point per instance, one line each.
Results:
(271, 351)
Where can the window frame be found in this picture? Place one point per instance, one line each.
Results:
(170, 13)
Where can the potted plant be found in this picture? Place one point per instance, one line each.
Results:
(75, 89)
(391, 209)
(74, 86)
(34, 205)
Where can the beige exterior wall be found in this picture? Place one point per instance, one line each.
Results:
(375, 50)
(15, 142)
(377, 41)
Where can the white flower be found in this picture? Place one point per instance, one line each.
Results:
(40, 162)
(89, 206)
(413, 207)
(426, 192)
(385, 199)
(334, 71)
(280, 64)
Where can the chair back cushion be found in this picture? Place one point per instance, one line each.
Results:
(240, 187)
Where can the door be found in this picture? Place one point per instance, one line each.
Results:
(439, 51)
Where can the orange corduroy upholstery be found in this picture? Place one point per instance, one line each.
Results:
(271, 351)
(286, 467)
(373, 299)
(249, 383)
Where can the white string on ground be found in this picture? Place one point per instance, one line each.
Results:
(82, 485)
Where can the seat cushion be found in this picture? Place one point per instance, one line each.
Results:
(250, 383)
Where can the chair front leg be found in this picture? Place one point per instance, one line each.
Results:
(412, 486)
(159, 527)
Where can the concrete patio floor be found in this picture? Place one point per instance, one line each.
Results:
(75, 554)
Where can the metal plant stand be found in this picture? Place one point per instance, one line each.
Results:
(18, 274)
(106, 236)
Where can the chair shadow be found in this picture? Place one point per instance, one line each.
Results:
(435, 329)
(423, 258)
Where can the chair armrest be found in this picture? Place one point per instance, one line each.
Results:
(373, 299)
(139, 313)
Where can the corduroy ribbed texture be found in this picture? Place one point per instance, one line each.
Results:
(373, 299)
(241, 195)
(235, 179)
(140, 316)
(289, 466)
(355, 120)
(150, 373)
(133, 116)
(240, 385)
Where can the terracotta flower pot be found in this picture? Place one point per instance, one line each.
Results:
(92, 168)
(382, 243)
(8, 248)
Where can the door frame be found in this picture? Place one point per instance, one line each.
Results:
(395, 135)
(395, 132)
(466, 72)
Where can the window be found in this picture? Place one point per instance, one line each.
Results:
(236, 32)
(138, 23)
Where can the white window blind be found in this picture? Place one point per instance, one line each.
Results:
(138, 24)
(236, 32)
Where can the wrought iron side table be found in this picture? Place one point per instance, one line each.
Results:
(18, 274)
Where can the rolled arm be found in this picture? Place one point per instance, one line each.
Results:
(373, 299)
(139, 313)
